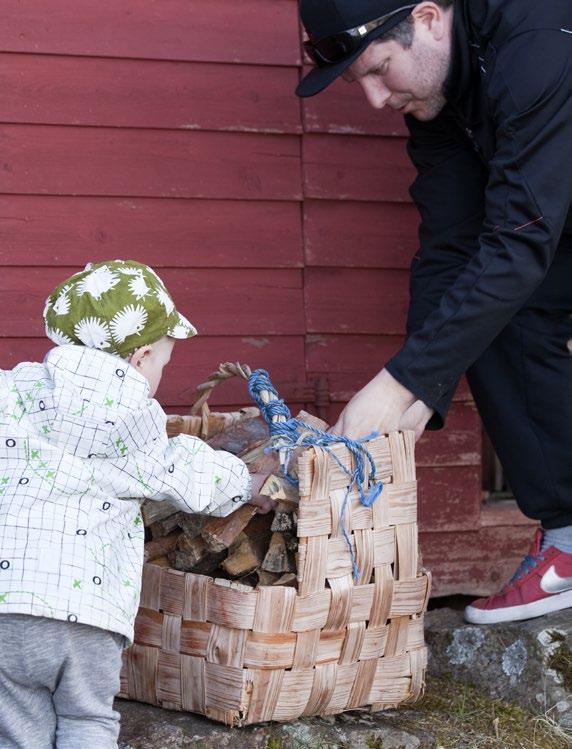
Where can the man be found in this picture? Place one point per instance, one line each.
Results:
(486, 90)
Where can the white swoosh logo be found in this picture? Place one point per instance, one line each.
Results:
(552, 582)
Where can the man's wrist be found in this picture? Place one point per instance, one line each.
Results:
(397, 391)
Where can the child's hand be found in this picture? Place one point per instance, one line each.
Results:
(264, 504)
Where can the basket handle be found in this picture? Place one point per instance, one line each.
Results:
(225, 371)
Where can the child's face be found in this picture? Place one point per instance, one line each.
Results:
(149, 361)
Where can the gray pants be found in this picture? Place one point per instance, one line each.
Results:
(57, 684)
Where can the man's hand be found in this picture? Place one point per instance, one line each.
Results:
(383, 405)
(416, 418)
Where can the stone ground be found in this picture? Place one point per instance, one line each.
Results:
(502, 687)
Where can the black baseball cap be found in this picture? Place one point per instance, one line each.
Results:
(344, 21)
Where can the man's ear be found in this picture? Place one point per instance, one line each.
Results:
(140, 356)
(431, 16)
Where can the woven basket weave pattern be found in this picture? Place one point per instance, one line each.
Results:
(242, 655)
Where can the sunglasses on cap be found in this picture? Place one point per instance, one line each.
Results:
(335, 48)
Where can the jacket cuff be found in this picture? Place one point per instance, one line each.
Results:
(439, 403)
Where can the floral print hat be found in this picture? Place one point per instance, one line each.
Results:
(116, 306)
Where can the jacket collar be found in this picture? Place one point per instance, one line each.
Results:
(464, 58)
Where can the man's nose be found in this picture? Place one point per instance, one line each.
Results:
(376, 92)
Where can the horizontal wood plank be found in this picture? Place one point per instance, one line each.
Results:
(351, 234)
(459, 443)
(477, 562)
(343, 109)
(348, 300)
(351, 360)
(339, 167)
(260, 31)
(450, 497)
(53, 90)
(177, 233)
(218, 302)
(149, 163)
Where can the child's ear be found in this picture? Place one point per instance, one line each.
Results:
(140, 356)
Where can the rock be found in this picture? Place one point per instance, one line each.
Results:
(524, 662)
(148, 727)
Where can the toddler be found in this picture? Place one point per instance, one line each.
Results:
(82, 441)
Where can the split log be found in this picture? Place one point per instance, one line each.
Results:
(267, 578)
(288, 579)
(192, 523)
(277, 558)
(166, 525)
(245, 558)
(242, 436)
(259, 461)
(283, 521)
(220, 533)
(313, 421)
(154, 511)
(248, 551)
(207, 565)
(281, 490)
(161, 562)
(191, 550)
(160, 546)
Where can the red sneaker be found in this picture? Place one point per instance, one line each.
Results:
(541, 584)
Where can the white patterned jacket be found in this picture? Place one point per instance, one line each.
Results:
(81, 444)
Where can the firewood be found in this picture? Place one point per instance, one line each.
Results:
(153, 511)
(160, 546)
(166, 525)
(288, 579)
(277, 558)
(161, 561)
(283, 521)
(191, 550)
(241, 437)
(192, 523)
(259, 461)
(250, 546)
(279, 488)
(220, 533)
(291, 541)
(267, 578)
(244, 560)
(180, 560)
(312, 420)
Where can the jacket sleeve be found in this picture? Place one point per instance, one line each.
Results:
(191, 475)
(449, 194)
(526, 202)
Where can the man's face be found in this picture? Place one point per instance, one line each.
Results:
(407, 80)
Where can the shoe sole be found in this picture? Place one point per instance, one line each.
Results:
(557, 602)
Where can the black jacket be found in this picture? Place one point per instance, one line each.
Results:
(494, 189)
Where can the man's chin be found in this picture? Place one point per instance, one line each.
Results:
(425, 113)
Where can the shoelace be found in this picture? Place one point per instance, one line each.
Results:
(529, 562)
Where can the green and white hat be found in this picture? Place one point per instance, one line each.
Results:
(116, 306)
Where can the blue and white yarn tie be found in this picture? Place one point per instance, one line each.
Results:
(294, 433)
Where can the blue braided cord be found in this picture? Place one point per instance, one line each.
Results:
(294, 433)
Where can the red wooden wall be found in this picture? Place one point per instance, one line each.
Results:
(167, 131)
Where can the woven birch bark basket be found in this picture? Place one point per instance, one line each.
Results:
(243, 655)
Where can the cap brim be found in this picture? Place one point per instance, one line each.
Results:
(320, 78)
(182, 329)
